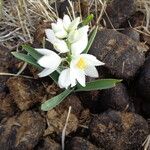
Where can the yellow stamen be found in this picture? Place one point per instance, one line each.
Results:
(81, 64)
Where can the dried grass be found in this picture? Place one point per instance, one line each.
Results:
(20, 17)
(146, 144)
(64, 129)
(144, 6)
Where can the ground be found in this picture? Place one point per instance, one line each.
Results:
(112, 119)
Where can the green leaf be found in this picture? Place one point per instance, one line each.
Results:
(54, 76)
(32, 51)
(98, 85)
(87, 20)
(27, 58)
(92, 37)
(30, 60)
(53, 102)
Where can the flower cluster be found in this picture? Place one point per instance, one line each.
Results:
(69, 41)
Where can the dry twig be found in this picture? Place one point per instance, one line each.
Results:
(64, 129)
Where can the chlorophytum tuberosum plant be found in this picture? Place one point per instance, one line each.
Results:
(70, 63)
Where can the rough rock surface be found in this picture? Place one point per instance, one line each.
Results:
(143, 84)
(118, 130)
(133, 34)
(56, 117)
(48, 144)
(118, 12)
(121, 55)
(78, 143)
(21, 132)
(115, 98)
(25, 92)
(7, 107)
(5, 57)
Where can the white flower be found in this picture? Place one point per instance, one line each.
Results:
(50, 61)
(68, 25)
(80, 66)
(62, 27)
(59, 45)
(78, 40)
(59, 29)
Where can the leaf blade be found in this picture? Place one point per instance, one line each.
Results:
(32, 51)
(98, 85)
(27, 58)
(51, 103)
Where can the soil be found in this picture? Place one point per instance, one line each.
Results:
(112, 119)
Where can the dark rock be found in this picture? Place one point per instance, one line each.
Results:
(90, 100)
(115, 98)
(146, 109)
(62, 7)
(7, 107)
(48, 144)
(146, 39)
(118, 130)
(78, 143)
(73, 101)
(56, 122)
(7, 65)
(26, 92)
(133, 34)
(136, 19)
(148, 123)
(3, 79)
(56, 118)
(118, 12)
(143, 84)
(137, 104)
(40, 33)
(84, 121)
(85, 117)
(121, 55)
(5, 57)
(7, 61)
(21, 132)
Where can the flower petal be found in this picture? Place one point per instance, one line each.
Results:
(50, 61)
(44, 51)
(50, 35)
(61, 34)
(61, 46)
(91, 71)
(83, 30)
(79, 46)
(80, 76)
(72, 78)
(73, 36)
(66, 22)
(58, 25)
(64, 79)
(59, 29)
(74, 24)
(92, 60)
(45, 72)
(77, 35)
